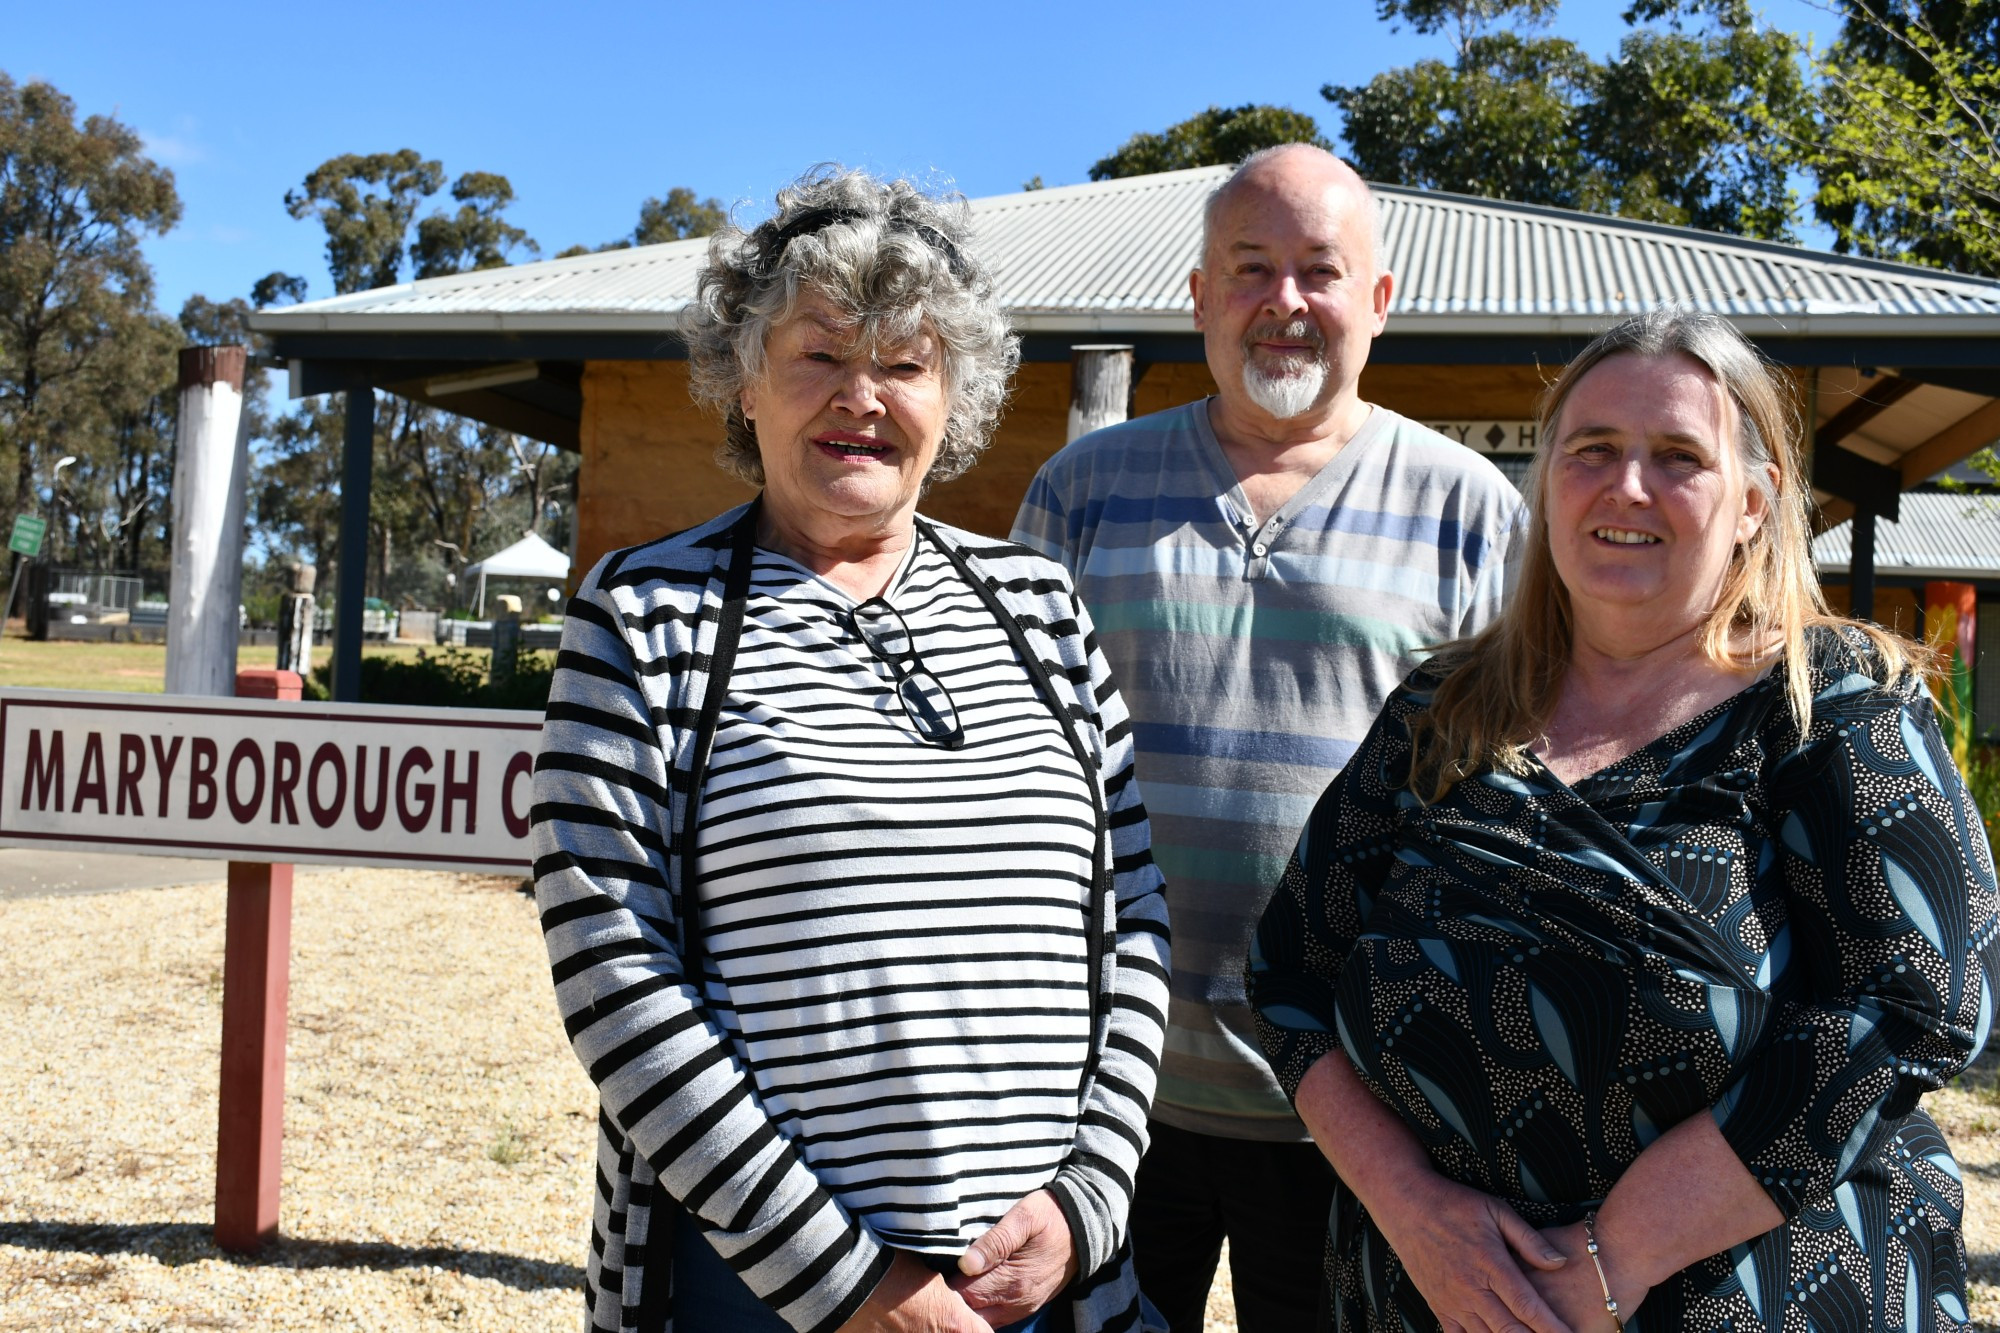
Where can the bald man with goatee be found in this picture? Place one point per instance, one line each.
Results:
(1263, 567)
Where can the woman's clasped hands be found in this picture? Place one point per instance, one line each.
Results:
(912, 1298)
(1480, 1266)
(1017, 1267)
(1575, 1291)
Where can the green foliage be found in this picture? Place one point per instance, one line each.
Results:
(295, 489)
(1462, 16)
(117, 512)
(1674, 128)
(678, 217)
(1980, 766)
(527, 687)
(262, 606)
(476, 236)
(1215, 137)
(448, 678)
(81, 364)
(366, 203)
(1500, 122)
(443, 483)
(277, 289)
(1906, 147)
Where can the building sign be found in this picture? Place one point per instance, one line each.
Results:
(27, 535)
(1489, 437)
(262, 780)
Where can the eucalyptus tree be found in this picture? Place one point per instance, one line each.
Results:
(1214, 137)
(1672, 127)
(77, 198)
(677, 216)
(439, 478)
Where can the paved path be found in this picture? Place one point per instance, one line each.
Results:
(35, 873)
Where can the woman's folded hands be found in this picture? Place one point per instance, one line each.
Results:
(1574, 1290)
(1021, 1264)
(1478, 1263)
(1468, 1253)
(1017, 1267)
(914, 1298)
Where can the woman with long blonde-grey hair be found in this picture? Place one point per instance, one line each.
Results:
(1610, 972)
(845, 881)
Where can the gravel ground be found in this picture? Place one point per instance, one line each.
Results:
(437, 1128)
(438, 1131)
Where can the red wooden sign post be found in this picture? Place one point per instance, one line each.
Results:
(256, 974)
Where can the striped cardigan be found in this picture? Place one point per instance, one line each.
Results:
(676, 1111)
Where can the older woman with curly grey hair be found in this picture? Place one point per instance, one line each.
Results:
(842, 869)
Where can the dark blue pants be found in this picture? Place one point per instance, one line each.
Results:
(1270, 1200)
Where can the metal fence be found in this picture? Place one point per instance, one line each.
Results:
(67, 602)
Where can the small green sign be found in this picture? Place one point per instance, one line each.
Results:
(28, 534)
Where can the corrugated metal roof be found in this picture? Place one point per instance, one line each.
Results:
(1939, 535)
(1114, 255)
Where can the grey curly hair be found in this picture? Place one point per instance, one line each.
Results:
(894, 259)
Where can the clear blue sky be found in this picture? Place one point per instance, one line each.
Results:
(590, 108)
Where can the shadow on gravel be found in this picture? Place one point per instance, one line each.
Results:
(174, 1243)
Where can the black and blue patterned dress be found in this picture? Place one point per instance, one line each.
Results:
(1792, 932)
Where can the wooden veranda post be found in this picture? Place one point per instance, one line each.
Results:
(1861, 564)
(256, 976)
(351, 571)
(1100, 386)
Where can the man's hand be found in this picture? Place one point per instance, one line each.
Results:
(911, 1298)
(1019, 1266)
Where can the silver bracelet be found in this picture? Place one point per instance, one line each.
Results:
(1590, 1244)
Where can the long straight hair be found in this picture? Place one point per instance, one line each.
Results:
(1500, 687)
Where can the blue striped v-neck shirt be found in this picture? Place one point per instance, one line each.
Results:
(1253, 659)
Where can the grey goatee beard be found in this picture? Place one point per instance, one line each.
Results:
(1290, 392)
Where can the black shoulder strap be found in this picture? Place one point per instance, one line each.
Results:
(721, 662)
(1095, 928)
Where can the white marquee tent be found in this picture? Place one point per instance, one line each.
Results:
(529, 558)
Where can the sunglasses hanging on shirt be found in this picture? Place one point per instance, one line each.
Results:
(926, 702)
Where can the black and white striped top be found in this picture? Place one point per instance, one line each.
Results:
(894, 931)
(683, 1112)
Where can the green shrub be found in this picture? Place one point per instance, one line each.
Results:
(1981, 767)
(527, 688)
(262, 607)
(448, 678)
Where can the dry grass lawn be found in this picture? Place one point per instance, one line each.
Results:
(438, 1130)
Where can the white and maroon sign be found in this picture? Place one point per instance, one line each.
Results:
(1489, 437)
(259, 780)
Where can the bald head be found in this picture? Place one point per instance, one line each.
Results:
(1292, 169)
(1290, 293)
